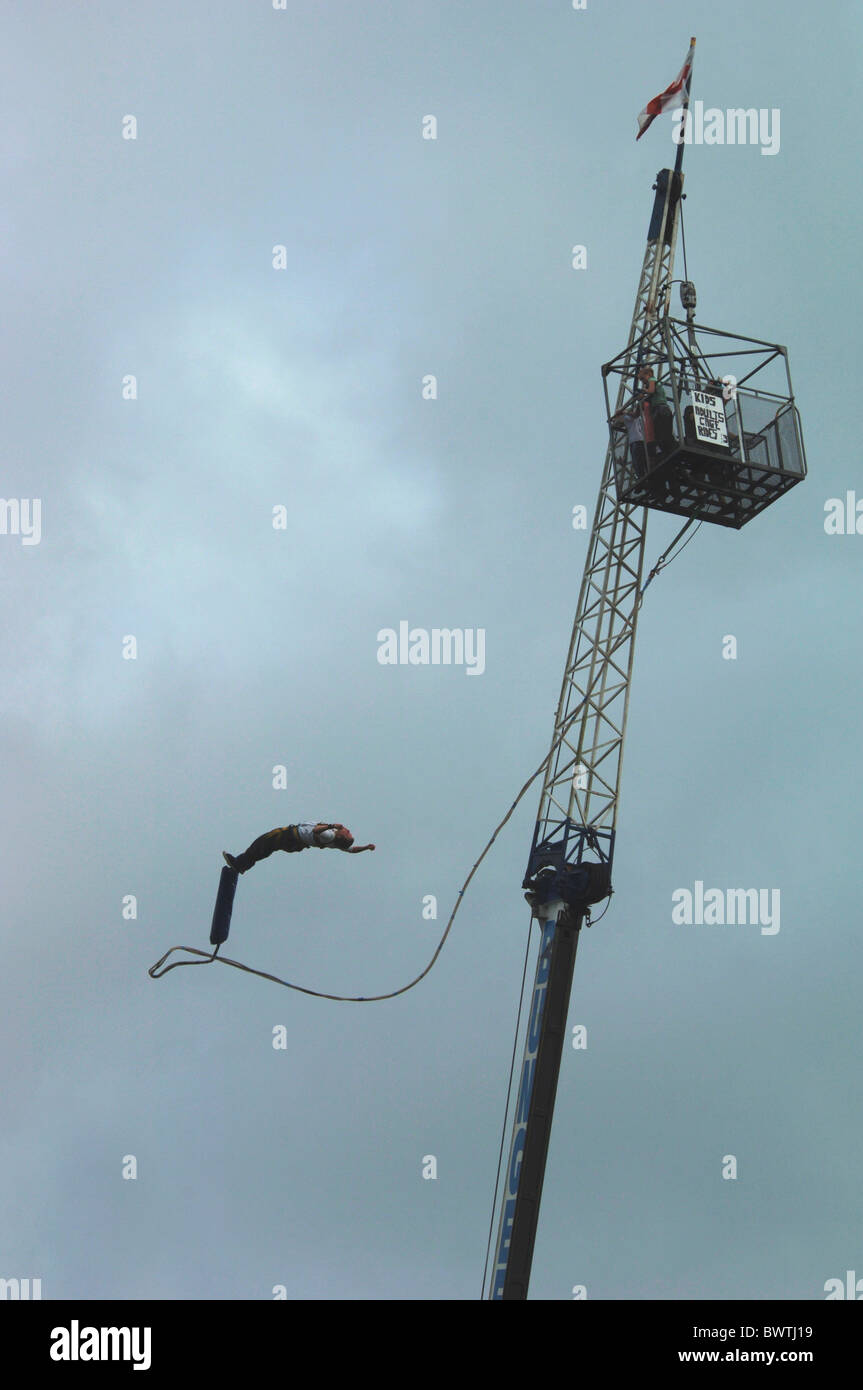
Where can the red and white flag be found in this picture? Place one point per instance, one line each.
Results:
(674, 95)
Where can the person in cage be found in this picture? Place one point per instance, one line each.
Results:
(660, 411)
(293, 839)
(639, 432)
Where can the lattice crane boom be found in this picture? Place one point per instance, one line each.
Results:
(708, 445)
(578, 804)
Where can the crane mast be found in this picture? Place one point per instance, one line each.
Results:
(570, 862)
(710, 446)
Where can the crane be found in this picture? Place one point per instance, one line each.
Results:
(733, 447)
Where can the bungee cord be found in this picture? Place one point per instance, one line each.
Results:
(160, 969)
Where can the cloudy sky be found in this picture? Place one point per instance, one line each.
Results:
(290, 390)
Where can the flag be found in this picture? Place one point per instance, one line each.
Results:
(674, 95)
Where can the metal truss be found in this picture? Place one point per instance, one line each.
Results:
(578, 805)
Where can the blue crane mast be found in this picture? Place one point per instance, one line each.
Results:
(731, 445)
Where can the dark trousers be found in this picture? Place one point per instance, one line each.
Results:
(286, 838)
(663, 426)
(638, 454)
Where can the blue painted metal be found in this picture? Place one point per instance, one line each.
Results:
(522, 1110)
(535, 1105)
(558, 851)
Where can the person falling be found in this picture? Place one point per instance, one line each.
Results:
(292, 839)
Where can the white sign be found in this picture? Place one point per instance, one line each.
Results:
(710, 423)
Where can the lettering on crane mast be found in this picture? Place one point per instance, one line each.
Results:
(522, 1109)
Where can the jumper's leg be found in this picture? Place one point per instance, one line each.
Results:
(262, 848)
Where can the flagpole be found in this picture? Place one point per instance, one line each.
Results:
(678, 163)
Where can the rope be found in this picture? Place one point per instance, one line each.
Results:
(207, 958)
(664, 560)
(159, 969)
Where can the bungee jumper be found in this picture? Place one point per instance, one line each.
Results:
(292, 839)
(325, 835)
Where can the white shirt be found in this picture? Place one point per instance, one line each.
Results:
(307, 835)
(635, 428)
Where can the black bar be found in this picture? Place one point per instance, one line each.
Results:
(541, 1112)
(224, 906)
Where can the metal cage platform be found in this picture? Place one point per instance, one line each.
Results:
(728, 442)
